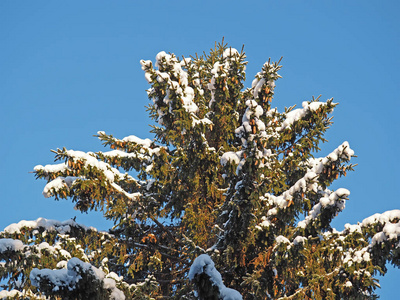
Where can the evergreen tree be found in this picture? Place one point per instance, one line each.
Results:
(227, 179)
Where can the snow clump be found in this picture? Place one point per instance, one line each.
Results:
(204, 264)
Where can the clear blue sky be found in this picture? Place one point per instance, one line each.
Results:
(71, 68)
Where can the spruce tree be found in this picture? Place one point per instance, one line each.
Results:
(229, 198)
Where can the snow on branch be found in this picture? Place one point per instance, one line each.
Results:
(387, 216)
(131, 152)
(15, 294)
(344, 151)
(40, 228)
(89, 160)
(251, 130)
(51, 169)
(306, 183)
(264, 82)
(230, 157)
(61, 227)
(10, 245)
(251, 123)
(59, 183)
(373, 233)
(132, 144)
(331, 200)
(299, 113)
(204, 121)
(75, 278)
(356, 256)
(388, 223)
(208, 280)
(171, 73)
(80, 161)
(220, 71)
(28, 244)
(145, 143)
(310, 183)
(132, 196)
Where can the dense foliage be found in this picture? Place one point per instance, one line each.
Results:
(226, 175)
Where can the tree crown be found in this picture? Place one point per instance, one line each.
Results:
(228, 183)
